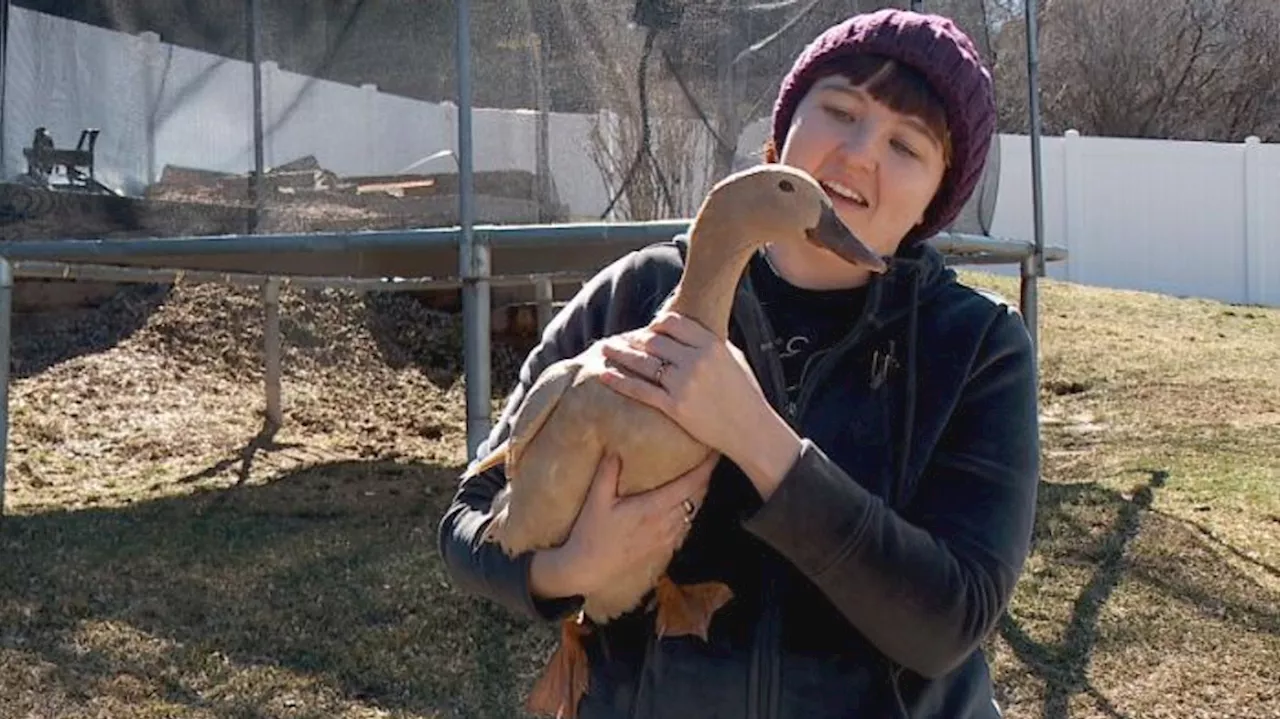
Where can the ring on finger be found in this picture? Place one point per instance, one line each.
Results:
(662, 367)
(689, 507)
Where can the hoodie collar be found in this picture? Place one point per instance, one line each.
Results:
(917, 273)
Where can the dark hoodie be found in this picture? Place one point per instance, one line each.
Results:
(867, 582)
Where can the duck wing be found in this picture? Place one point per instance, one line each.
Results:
(529, 417)
(536, 408)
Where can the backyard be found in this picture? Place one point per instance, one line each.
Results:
(164, 557)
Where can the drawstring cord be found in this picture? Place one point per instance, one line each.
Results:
(901, 490)
(909, 416)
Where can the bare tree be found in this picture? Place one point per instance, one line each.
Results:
(716, 64)
(1178, 69)
(670, 183)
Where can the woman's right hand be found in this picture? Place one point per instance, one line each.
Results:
(615, 534)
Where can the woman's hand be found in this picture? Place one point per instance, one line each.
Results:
(706, 386)
(701, 382)
(613, 534)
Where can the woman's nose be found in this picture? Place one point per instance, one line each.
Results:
(859, 147)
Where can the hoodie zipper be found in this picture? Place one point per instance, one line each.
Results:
(765, 660)
(761, 698)
(765, 665)
(770, 669)
(767, 657)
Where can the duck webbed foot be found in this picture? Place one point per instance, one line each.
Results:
(564, 680)
(687, 610)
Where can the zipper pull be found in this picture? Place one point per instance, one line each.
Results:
(881, 364)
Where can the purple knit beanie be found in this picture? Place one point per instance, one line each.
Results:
(936, 48)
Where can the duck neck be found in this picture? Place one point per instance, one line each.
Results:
(711, 274)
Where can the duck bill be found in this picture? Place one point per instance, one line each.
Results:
(832, 234)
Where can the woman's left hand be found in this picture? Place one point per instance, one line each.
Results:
(682, 369)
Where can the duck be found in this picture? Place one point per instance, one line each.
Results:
(570, 419)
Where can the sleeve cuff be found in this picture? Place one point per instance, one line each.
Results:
(545, 610)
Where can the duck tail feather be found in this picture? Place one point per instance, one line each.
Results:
(489, 461)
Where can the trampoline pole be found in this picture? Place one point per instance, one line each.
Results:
(4, 77)
(1035, 269)
(6, 355)
(473, 255)
(259, 164)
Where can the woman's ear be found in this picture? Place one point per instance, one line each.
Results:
(769, 151)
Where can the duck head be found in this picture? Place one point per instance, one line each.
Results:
(778, 203)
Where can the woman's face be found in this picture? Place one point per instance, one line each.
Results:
(881, 169)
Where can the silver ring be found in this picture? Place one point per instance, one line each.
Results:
(662, 367)
(689, 507)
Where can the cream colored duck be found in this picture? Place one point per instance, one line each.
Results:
(570, 419)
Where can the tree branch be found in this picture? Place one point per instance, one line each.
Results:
(770, 39)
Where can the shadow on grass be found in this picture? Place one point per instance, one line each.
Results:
(1082, 523)
(329, 573)
(264, 441)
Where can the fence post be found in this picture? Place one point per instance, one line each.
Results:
(271, 110)
(1072, 202)
(272, 349)
(152, 80)
(1254, 276)
(372, 162)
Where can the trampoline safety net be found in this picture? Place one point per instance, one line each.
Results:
(152, 118)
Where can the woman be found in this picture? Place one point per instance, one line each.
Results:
(873, 500)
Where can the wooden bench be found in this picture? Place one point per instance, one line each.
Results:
(43, 158)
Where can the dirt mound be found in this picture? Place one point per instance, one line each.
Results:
(219, 328)
(44, 339)
(165, 385)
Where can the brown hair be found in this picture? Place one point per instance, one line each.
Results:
(897, 86)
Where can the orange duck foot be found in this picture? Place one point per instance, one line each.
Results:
(564, 680)
(688, 610)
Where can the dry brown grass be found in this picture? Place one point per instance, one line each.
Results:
(164, 558)
(1154, 589)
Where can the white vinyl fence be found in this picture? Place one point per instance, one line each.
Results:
(1185, 218)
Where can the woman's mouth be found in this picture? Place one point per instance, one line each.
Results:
(840, 191)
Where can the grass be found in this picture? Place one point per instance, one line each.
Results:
(165, 558)
(1154, 588)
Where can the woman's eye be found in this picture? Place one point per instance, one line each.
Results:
(904, 148)
(839, 114)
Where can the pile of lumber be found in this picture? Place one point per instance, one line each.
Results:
(306, 196)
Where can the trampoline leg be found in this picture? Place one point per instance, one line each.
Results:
(1029, 300)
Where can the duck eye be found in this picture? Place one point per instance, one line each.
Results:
(786, 186)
